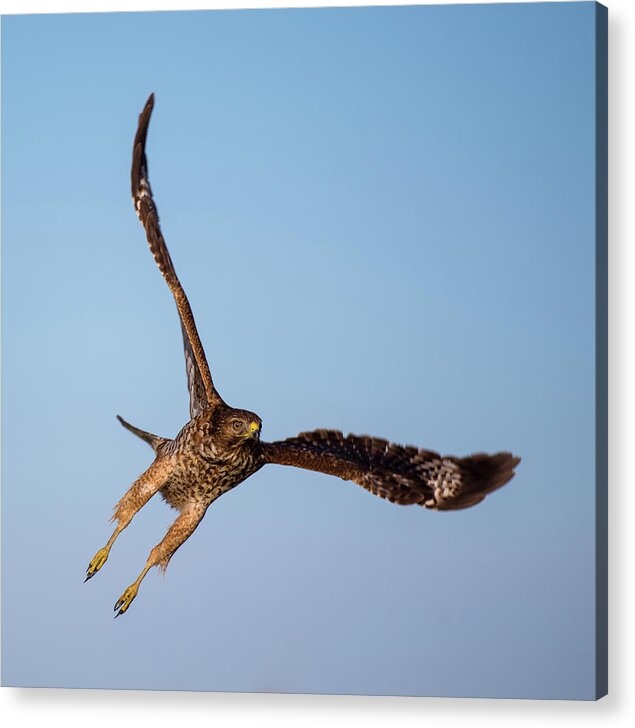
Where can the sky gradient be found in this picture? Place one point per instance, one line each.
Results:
(383, 219)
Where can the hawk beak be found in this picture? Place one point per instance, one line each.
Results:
(254, 429)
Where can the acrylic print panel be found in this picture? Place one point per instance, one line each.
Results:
(387, 221)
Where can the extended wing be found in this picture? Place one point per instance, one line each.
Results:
(199, 378)
(404, 475)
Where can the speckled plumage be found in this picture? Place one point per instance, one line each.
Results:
(220, 446)
(203, 469)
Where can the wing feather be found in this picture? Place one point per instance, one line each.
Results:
(200, 384)
(404, 475)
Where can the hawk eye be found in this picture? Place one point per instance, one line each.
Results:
(237, 425)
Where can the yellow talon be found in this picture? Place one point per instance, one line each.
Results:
(125, 600)
(98, 560)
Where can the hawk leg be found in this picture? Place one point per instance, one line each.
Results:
(144, 487)
(177, 534)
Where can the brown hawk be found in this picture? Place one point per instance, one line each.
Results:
(220, 446)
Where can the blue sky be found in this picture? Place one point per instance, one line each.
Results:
(383, 219)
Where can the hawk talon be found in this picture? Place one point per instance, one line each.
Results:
(98, 560)
(125, 600)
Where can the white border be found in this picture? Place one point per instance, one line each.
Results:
(22, 707)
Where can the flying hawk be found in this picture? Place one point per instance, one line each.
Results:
(220, 446)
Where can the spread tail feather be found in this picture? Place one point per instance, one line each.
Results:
(153, 440)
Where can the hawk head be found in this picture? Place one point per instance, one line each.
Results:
(235, 428)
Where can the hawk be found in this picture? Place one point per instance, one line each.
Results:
(220, 446)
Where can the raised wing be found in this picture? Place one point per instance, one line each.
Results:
(200, 384)
(195, 385)
(404, 475)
